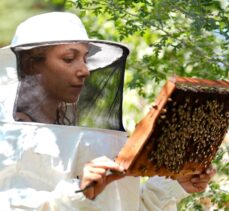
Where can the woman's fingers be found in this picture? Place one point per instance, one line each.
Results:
(94, 169)
(197, 182)
(92, 174)
(201, 185)
(112, 177)
(97, 172)
(204, 177)
(199, 179)
(106, 163)
(210, 171)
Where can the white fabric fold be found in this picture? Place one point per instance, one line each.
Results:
(161, 194)
(40, 168)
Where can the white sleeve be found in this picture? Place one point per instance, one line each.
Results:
(159, 193)
(62, 198)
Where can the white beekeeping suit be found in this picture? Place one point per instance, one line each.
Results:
(41, 164)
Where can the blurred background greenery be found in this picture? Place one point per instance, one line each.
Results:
(166, 38)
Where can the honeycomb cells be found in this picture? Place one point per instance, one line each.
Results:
(190, 128)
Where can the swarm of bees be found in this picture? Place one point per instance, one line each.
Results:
(188, 125)
(191, 127)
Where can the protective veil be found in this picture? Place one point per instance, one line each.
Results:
(100, 102)
(41, 164)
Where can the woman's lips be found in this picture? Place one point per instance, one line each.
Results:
(76, 88)
(77, 85)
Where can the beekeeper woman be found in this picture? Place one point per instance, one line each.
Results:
(48, 160)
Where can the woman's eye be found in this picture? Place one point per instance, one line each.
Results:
(68, 59)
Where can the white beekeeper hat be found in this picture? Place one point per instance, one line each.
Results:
(59, 28)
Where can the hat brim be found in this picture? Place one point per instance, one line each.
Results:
(8, 65)
(101, 53)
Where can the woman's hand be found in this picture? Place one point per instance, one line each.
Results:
(197, 182)
(95, 173)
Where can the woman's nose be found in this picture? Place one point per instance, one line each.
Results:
(82, 70)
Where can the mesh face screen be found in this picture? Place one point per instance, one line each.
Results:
(53, 91)
(100, 104)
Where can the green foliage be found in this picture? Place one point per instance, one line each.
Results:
(58, 5)
(185, 37)
(13, 12)
(216, 197)
(221, 162)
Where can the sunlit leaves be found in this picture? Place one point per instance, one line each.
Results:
(190, 38)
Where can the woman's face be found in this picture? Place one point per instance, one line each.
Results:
(64, 71)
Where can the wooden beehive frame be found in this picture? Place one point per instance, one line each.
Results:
(151, 149)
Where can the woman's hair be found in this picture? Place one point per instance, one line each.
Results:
(66, 112)
(28, 57)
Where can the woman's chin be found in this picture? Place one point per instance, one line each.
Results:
(72, 99)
